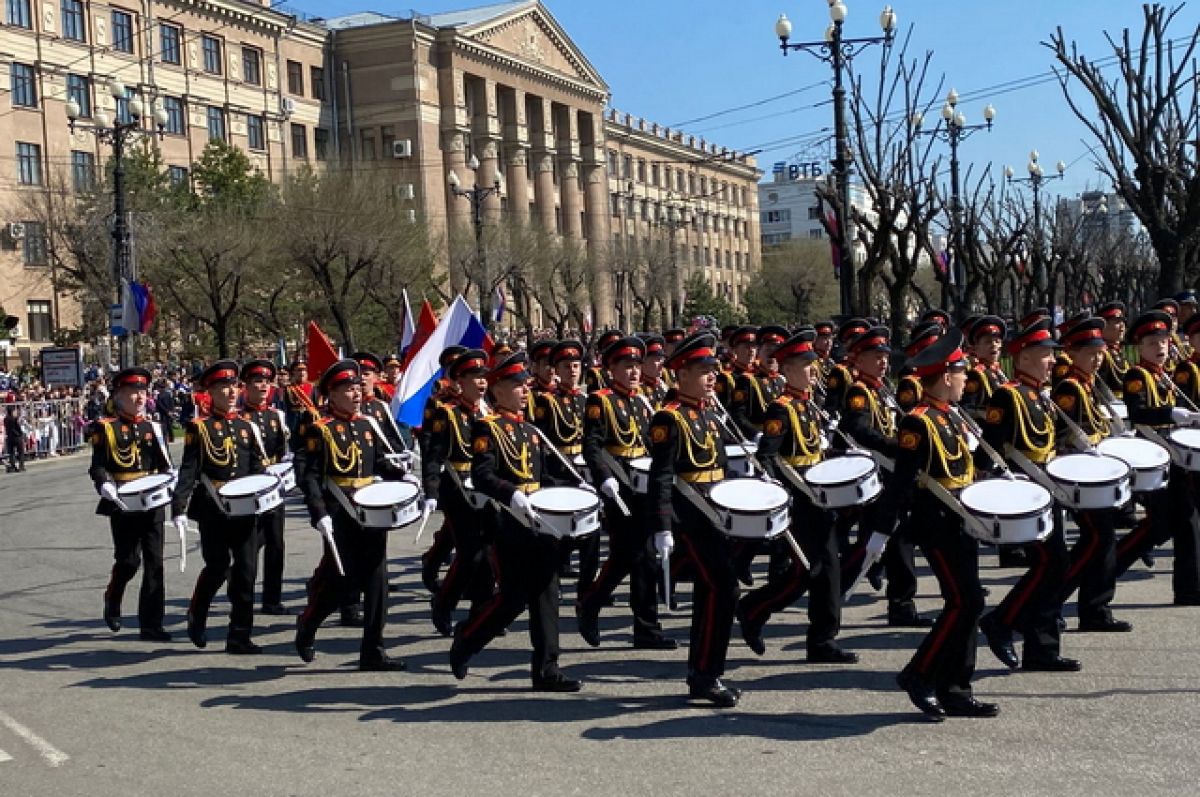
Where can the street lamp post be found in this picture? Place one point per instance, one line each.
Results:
(477, 195)
(1037, 177)
(119, 135)
(673, 219)
(838, 51)
(954, 131)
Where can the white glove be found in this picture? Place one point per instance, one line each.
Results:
(430, 506)
(875, 544)
(519, 504)
(288, 457)
(757, 438)
(610, 488)
(664, 542)
(1182, 416)
(109, 490)
(402, 460)
(972, 441)
(324, 525)
(181, 525)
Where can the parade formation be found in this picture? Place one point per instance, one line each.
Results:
(675, 461)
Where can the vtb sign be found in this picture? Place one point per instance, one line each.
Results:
(799, 171)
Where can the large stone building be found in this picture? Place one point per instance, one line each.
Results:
(415, 98)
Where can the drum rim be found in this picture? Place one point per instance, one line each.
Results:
(160, 480)
(387, 507)
(276, 483)
(1029, 513)
(1190, 432)
(594, 507)
(848, 483)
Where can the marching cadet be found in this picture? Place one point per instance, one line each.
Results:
(376, 407)
(936, 315)
(743, 349)
(508, 465)
(933, 445)
(841, 374)
(1021, 418)
(125, 448)
(445, 467)
(217, 449)
(257, 376)
(542, 370)
(671, 339)
(986, 341)
(596, 377)
(1170, 513)
(1174, 349)
(790, 445)
(342, 453)
(615, 428)
(1112, 371)
(687, 459)
(1062, 360)
(444, 391)
(654, 384)
(559, 414)
(299, 400)
(1093, 562)
(908, 387)
(754, 390)
(393, 369)
(1187, 373)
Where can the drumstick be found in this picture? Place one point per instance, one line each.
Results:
(337, 559)
(182, 550)
(666, 571)
(1107, 397)
(421, 529)
(787, 535)
(869, 560)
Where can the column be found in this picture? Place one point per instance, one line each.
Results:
(541, 135)
(516, 150)
(486, 127)
(597, 230)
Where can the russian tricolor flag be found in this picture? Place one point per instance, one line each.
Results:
(459, 326)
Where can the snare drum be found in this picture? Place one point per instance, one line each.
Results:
(1014, 512)
(250, 495)
(1089, 481)
(852, 480)
(564, 512)
(1186, 443)
(750, 508)
(1149, 462)
(286, 475)
(581, 468)
(737, 460)
(146, 493)
(387, 505)
(476, 499)
(639, 474)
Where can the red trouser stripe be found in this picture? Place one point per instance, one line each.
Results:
(710, 603)
(1037, 572)
(1134, 538)
(1089, 551)
(492, 605)
(950, 614)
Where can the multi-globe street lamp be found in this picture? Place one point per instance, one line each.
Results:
(1036, 179)
(477, 195)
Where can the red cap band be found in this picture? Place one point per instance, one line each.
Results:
(1150, 328)
(745, 337)
(504, 373)
(868, 343)
(1112, 312)
(936, 368)
(621, 353)
(133, 380)
(990, 329)
(791, 351)
(694, 354)
(259, 370)
(921, 344)
(341, 376)
(1083, 335)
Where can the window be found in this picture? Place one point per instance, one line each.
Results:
(178, 175)
(251, 66)
(211, 46)
(29, 163)
(34, 245)
(73, 24)
(18, 14)
(776, 216)
(321, 143)
(367, 151)
(123, 114)
(80, 90)
(387, 137)
(316, 76)
(814, 234)
(627, 167)
(295, 73)
(299, 141)
(122, 31)
(254, 132)
(168, 47)
(616, 204)
(24, 85)
(654, 174)
(83, 170)
(814, 213)
(641, 171)
(613, 164)
(39, 320)
(216, 123)
(173, 106)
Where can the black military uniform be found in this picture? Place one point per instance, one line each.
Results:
(375, 407)
(537, 355)
(933, 445)
(753, 391)
(727, 378)
(687, 459)
(300, 403)
(615, 429)
(596, 376)
(342, 453)
(657, 391)
(444, 391)
(272, 425)
(126, 448)
(984, 378)
(445, 466)
(509, 459)
(908, 386)
(1020, 415)
(1112, 370)
(1170, 513)
(218, 449)
(840, 375)
(790, 445)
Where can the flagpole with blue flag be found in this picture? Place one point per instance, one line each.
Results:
(459, 326)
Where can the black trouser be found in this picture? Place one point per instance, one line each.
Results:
(16, 451)
(469, 574)
(715, 591)
(813, 527)
(168, 427)
(440, 548)
(1093, 567)
(229, 546)
(1169, 513)
(137, 537)
(589, 559)
(270, 540)
(900, 567)
(527, 570)
(364, 557)
(945, 658)
(630, 553)
(1032, 605)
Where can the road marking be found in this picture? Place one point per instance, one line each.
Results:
(53, 756)
(4, 757)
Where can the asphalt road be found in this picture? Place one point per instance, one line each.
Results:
(85, 711)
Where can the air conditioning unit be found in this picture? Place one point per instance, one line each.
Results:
(287, 105)
(402, 148)
(405, 191)
(16, 230)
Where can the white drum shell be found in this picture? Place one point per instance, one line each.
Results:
(852, 480)
(737, 461)
(1028, 518)
(286, 473)
(1090, 482)
(147, 493)
(767, 520)
(387, 505)
(1186, 445)
(566, 512)
(639, 474)
(1149, 463)
(250, 495)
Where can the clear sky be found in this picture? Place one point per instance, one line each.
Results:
(673, 61)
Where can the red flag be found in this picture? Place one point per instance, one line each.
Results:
(426, 323)
(321, 353)
(148, 312)
(488, 344)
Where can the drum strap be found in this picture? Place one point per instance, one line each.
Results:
(796, 481)
(212, 489)
(162, 447)
(695, 499)
(262, 451)
(1034, 472)
(1154, 437)
(379, 433)
(340, 494)
(618, 470)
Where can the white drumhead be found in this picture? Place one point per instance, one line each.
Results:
(1135, 451)
(143, 484)
(1086, 468)
(1005, 497)
(386, 494)
(1186, 438)
(840, 470)
(748, 495)
(563, 499)
(279, 468)
(641, 463)
(249, 485)
(737, 451)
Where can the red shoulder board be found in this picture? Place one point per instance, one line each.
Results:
(920, 410)
(604, 391)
